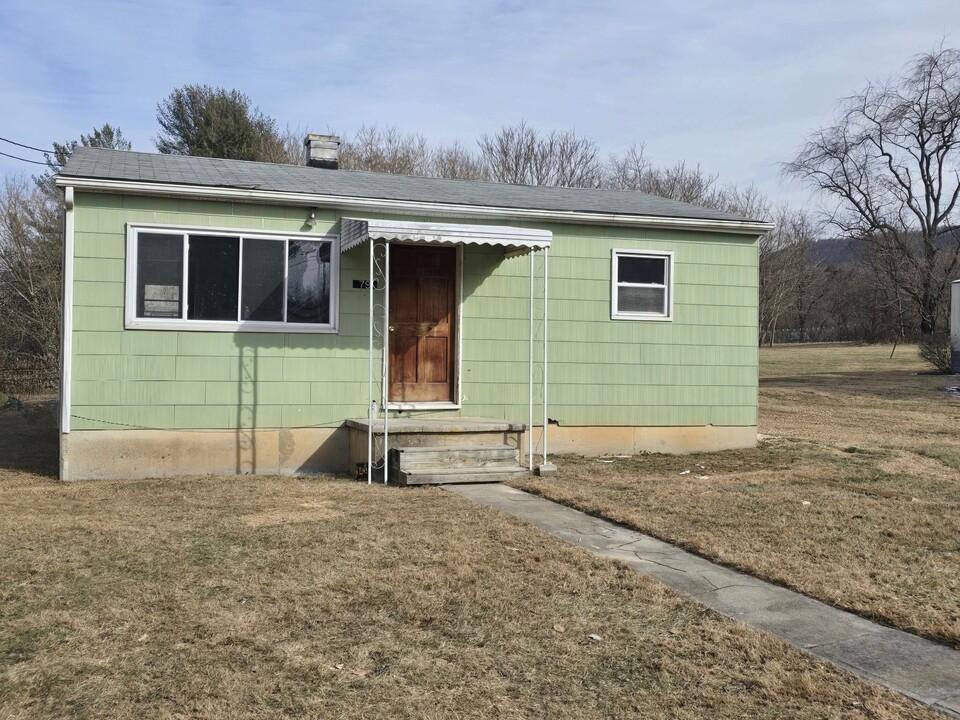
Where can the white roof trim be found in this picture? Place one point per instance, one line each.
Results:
(356, 231)
(409, 207)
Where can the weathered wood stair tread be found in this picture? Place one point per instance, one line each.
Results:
(433, 465)
(448, 476)
(459, 457)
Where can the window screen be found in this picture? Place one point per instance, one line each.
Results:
(262, 293)
(159, 275)
(641, 299)
(213, 277)
(308, 282)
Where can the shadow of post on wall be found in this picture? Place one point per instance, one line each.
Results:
(248, 358)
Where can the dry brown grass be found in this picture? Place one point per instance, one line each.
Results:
(854, 499)
(317, 597)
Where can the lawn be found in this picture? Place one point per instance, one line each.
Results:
(320, 597)
(852, 497)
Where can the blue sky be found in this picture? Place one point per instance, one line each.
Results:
(731, 85)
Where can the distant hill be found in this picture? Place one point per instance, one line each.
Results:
(842, 252)
(838, 252)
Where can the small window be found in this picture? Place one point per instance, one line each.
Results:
(642, 285)
(192, 280)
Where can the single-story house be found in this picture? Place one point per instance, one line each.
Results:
(226, 317)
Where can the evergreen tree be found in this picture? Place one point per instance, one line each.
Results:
(213, 122)
(106, 136)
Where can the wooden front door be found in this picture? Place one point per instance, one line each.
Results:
(422, 323)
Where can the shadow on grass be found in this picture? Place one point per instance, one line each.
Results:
(893, 384)
(29, 440)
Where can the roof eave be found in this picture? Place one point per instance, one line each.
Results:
(407, 207)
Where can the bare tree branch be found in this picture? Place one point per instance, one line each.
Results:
(522, 155)
(892, 162)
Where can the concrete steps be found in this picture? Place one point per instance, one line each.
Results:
(439, 465)
(435, 451)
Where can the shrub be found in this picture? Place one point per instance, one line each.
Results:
(935, 349)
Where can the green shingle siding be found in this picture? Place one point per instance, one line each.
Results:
(699, 369)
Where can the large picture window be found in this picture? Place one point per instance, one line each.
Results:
(184, 279)
(642, 285)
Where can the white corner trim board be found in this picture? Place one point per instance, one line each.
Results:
(66, 335)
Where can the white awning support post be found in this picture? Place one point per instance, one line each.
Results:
(377, 393)
(386, 360)
(546, 420)
(370, 406)
(530, 423)
(545, 468)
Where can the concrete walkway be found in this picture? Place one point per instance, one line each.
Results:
(918, 668)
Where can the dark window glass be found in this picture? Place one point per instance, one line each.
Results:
(308, 282)
(643, 270)
(214, 264)
(262, 291)
(159, 275)
(641, 299)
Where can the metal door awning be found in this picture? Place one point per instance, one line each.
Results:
(378, 236)
(515, 240)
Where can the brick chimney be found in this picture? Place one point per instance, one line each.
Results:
(323, 151)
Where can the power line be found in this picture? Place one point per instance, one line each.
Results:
(28, 147)
(35, 162)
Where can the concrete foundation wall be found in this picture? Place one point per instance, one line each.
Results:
(115, 454)
(630, 440)
(119, 454)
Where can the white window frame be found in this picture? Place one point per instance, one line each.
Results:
(132, 322)
(615, 284)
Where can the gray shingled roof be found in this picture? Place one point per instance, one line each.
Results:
(99, 163)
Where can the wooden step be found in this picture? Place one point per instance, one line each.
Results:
(431, 433)
(457, 457)
(449, 476)
(432, 465)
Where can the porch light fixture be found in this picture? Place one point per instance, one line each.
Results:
(312, 220)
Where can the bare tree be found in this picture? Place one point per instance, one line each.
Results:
(31, 242)
(287, 149)
(29, 273)
(891, 164)
(387, 150)
(778, 268)
(634, 170)
(522, 155)
(390, 150)
(679, 182)
(628, 171)
(810, 284)
(747, 202)
(457, 163)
